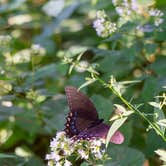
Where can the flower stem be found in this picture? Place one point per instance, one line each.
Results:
(131, 107)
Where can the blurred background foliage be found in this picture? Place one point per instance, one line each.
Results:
(34, 37)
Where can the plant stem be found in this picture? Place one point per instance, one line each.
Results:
(131, 107)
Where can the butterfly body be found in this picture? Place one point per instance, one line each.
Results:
(83, 121)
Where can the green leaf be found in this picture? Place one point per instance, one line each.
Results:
(159, 66)
(125, 156)
(3, 155)
(149, 88)
(43, 72)
(54, 112)
(4, 78)
(114, 127)
(153, 142)
(127, 130)
(104, 106)
(150, 48)
(84, 164)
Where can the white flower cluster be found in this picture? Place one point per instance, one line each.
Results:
(126, 8)
(96, 148)
(93, 148)
(157, 15)
(132, 9)
(24, 56)
(103, 27)
(4, 40)
(62, 148)
(145, 28)
(37, 49)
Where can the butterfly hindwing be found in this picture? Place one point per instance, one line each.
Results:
(100, 131)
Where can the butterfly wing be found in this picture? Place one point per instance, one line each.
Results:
(81, 116)
(100, 131)
(78, 102)
(82, 112)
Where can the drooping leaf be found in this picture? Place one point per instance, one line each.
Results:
(114, 127)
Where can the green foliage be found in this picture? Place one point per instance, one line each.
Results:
(41, 53)
(136, 157)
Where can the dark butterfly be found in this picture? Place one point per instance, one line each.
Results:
(83, 121)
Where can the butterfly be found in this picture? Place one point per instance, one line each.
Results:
(83, 122)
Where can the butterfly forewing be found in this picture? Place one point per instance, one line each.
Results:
(78, 102)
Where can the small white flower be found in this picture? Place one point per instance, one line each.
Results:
(48, 157)
(158, 21)
(155, 13)
(101, 14)
(55, 156)
(99, 26)
(37, 49)
(97, 143)
(112, 28)
(145, 28)
(134, 5)
(67, 163)
(82, 66)
(58, 164)
(119, 10)
(60, 135)
(5, 39)
(68, 151)
(98, 155)
(83, 154)
(54, 143)
(114, 2)
(50, 163)
(126, 3)
(36, 46)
